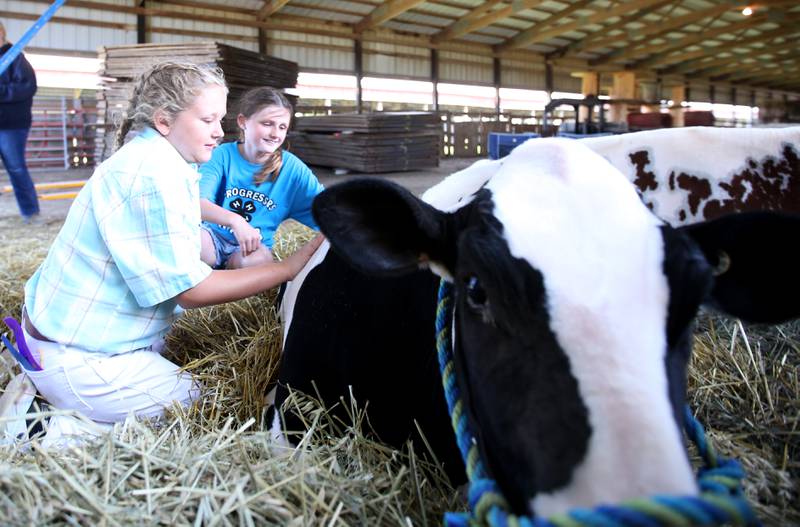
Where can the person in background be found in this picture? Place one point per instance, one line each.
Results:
(249, 187)
(17, 88)
(126, 263)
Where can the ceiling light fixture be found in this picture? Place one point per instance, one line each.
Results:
(747, 11)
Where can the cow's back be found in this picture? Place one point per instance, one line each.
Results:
(376, 335)
(687, 175)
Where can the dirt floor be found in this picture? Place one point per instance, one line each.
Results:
(416, 181)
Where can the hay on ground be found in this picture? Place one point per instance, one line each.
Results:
(212, 463)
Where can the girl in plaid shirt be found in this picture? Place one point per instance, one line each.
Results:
(127, 261)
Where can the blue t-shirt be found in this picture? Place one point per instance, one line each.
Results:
(266, 205)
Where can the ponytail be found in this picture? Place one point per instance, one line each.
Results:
(122, 132)
(127, 119)
(271, 166)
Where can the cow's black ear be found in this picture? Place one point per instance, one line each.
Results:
(379, 227)
(756, 264)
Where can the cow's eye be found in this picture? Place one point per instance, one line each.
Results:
(476, 296)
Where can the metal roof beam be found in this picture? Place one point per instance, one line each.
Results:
(667, 53)
(594, 40)
(691, 57)
(765, 75)
(732, 73)
(479, 18)
(789, 84)
(663, 50)
(385, 11)
(663, 27)
(716, 73)
(736, 66)
(205, 5)
(566, 12)
(689, 61)
(69, 20)
(269, 8)
(538, 34)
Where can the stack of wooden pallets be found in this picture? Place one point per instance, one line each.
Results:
(370, 142)
(121, 64)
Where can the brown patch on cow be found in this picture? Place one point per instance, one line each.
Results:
(645, 179)
(699, 189)
(774, 184)
(769, 183)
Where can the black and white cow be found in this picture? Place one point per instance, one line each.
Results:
(573, 316)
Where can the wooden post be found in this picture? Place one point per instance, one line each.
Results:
(359, 75)
(676, 111)
(548, 79)
(262, 41)
(496, 64)
(590, 85)
(141, 26)
(435, 78)
(623, 87)
(649, 92)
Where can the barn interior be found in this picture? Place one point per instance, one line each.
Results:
(449, 81)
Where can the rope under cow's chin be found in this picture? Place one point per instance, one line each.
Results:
(721, 499)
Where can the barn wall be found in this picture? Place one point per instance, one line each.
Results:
(315, 49)
(524, 75)
(564, 81)
(391, 60)
(699, 92)
(464, 68)
(313, 52)
(120, 28)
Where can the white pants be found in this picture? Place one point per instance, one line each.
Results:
(106, 388)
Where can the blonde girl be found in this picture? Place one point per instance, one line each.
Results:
(249, 187)
(125, 263)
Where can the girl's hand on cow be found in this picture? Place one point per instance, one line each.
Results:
(300, 257)
(249, 237)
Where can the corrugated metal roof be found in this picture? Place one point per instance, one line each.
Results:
(247, 4)
(398, 25)
(678, 40)
(319, 12)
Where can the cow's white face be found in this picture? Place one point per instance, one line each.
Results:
(573, 311)
(591, 331)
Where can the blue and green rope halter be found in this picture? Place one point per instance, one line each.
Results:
(721, 500)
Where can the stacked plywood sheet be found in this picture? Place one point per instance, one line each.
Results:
(121, 64)
(371, 142)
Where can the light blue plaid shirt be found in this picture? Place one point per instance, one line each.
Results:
(129, 245)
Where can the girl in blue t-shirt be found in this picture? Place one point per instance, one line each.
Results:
(249, 187)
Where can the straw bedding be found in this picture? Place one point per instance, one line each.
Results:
(212, 464)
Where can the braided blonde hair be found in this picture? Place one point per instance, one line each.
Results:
(167, 86)
(252, 102)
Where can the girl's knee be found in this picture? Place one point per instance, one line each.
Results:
(261, 256)
(108, 388)
(208, 252)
